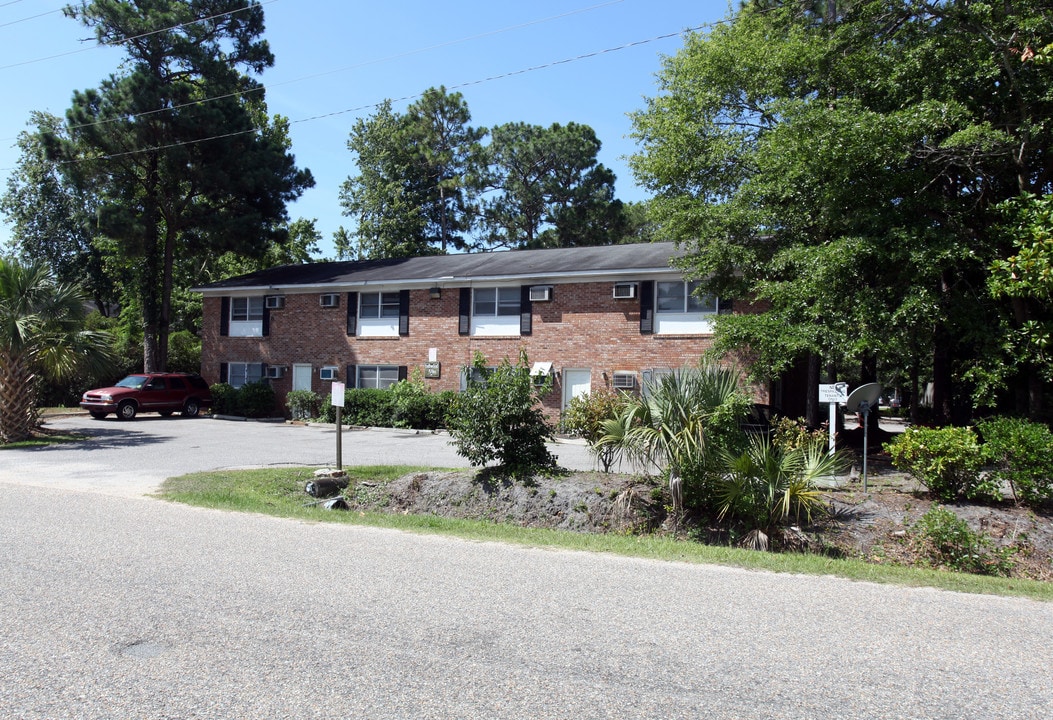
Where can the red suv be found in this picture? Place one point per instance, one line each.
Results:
(163, 393)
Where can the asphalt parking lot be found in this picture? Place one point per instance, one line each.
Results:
(134, 458)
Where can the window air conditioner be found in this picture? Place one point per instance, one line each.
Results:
(274, 302)
(328, 373)
(624, 291)
(275, 371)
(329, 300)
(540, 293)
(624, 380)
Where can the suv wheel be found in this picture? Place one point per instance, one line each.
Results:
(192, 408)
(126, 410)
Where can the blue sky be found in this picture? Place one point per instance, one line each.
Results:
(336, 59)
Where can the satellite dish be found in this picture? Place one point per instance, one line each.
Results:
(868, 394)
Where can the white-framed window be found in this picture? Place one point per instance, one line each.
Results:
(495, 302)
(246, 316)
(680, 310)
(378, 314)
(239, 373)
(378, 305)
(245, 309)
(495, 310)
(377, 376)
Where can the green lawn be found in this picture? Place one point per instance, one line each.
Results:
(280, 492)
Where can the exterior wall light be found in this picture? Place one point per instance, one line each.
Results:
(435, 293)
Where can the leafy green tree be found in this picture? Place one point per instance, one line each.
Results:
(42, 335)
(417, 177)
(1024, 279)
(840, 162)
(177, 146)
(51, 219)
(447, 158)
(499, 418)
(549, 189)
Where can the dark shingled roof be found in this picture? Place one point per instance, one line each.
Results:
(536, 265)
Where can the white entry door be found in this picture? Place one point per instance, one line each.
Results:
(301, 376)
(576, 382)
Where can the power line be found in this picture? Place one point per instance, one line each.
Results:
(376, 61)
(554, 63)
(27, 19)
(135, 37)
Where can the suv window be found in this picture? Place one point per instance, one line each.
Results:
(156, 384)
(176, 384)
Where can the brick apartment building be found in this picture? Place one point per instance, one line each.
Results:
(592, 317)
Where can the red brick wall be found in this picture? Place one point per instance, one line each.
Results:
(581, 327)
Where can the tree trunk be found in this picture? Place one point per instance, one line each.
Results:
(812, 411)
(17, 394)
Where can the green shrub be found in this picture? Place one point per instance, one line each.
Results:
(947, 541)
(368, 407)
(224, 399)
(184, 352)
(584, 417)
(302, 404)
(945, 460)
(256, 400)
(1022, 455)
(500, 419)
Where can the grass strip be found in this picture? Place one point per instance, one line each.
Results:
(280, 492)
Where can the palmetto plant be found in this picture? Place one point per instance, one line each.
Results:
(679, 423)
(41, 335)
(769, 485)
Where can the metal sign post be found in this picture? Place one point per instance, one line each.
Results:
(338, 403)
(864, 410)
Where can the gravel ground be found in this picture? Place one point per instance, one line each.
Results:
(117, 607)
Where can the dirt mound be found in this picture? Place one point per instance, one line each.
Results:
(873, 526)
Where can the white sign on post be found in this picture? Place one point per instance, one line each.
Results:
(833, 393)
(338, 394)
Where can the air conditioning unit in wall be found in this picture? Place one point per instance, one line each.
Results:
(274, 302)
(624, 380)
(540, 293)
(624, 291)
(329, 300)
(328, 372)
(275, 371)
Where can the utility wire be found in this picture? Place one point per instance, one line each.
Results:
(135, 37)
(513, 73)
(377, 61)
(27, 19)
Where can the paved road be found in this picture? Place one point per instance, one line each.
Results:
(129, 607)
(134, 458)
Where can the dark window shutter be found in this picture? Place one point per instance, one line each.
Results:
(464, 322)
(224, 318)
(224, 370)
(352, 313)
(647, 307)
(352, 376)
(403, 372)
(725, 306)
(403, 312)
(266, 320)
(526, 311)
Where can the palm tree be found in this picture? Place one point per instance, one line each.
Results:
(770, 484)
(680, 423)
(42, 335)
